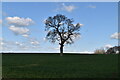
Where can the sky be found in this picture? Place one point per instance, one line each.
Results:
(60, 0)
(24, 29)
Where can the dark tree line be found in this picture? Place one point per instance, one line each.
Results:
(113, 50)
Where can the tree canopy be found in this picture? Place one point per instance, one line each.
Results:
(60, 28)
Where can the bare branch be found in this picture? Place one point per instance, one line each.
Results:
(61, 29)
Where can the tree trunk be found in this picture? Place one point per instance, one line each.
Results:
(61, 50)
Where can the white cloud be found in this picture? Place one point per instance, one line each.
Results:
(25, 35)
(18, 43)
(34, 42)
(18, 25)
(18, 46)
(18, 21)
(19, 30)
(44, 39)
(1, 43)
(0, 21)
(108, 46)
(91, 6)
(81, 24)
(27, 46)
(115, 35)
(68, 8)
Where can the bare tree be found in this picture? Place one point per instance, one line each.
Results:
(99, 51)
(60, 28)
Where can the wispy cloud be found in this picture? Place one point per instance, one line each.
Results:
(115, 35)
(18, 46)
(0, 21)
(68, 8)
(18, 43)
(35, 42)
(19, 30)
(1, 43)
(25, 35)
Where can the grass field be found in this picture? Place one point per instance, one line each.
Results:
(54, 66)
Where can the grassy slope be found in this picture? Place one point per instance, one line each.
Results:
(54, 66)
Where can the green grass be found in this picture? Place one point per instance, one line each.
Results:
(54, 66)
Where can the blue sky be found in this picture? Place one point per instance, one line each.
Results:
(99, 19)
(60, 0)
